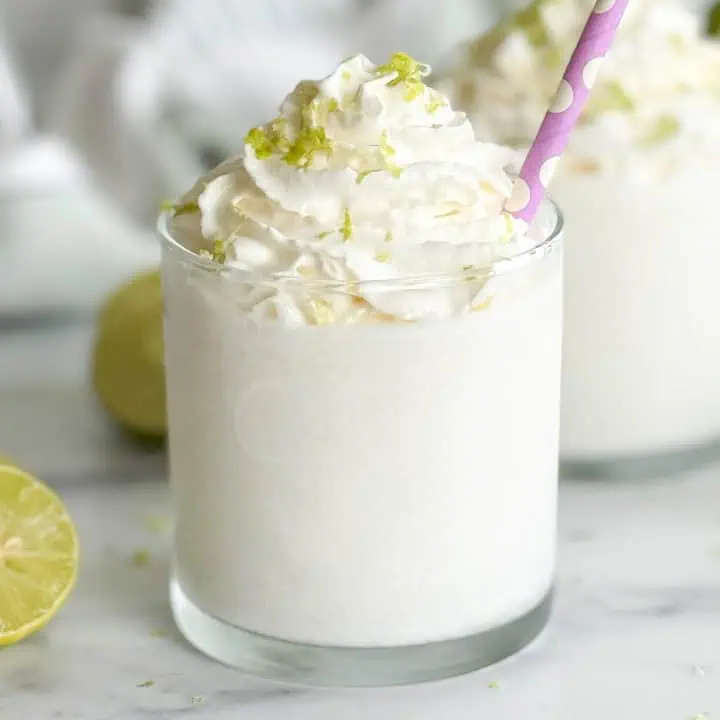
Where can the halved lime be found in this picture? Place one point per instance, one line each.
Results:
(38, 554)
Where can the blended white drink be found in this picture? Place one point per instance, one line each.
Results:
(363, 363)
(639, 187)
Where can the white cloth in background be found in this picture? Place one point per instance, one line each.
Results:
(63, 244)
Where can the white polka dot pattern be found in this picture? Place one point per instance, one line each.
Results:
(548, 170)
(580, 75)
(591, 70)
(602, 6)
(520, 197)
(563, 99)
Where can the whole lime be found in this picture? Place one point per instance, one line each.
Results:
(128, 370)
(713, 20)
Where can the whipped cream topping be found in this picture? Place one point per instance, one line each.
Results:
(658, 83)
(366, 176)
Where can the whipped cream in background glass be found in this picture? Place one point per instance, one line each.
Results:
(363, 362)
(638, 184)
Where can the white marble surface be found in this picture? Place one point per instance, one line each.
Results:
(635, 635)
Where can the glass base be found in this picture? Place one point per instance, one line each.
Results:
(635, 467)
(290, 662)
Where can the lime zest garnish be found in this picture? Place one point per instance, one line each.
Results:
(310, 140)
(448, 214)
(509, 225)
(260, 142)
(407, 71)
(664, 128)
(494, 685)
(325, 233)
(146, 684)
(435, 104)
(346, 75)
(219, 251)
(196, 699)
(158, 633)
(395, 170)
(483, 305)
(382, 257)
(389, 236)
(333, 105)
(140, 558)
(268, 140)
(385, 147)
(487, 187)
(179, 208)
(467, 268)
(346, 229)
(363, 174)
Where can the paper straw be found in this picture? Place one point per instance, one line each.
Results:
(552, 138)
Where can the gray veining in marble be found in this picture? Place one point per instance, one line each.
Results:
(635, 635)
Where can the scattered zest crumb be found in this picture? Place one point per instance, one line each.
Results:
(140, 558)
(700, 716)
(158, 633)
(196, 699)
(146, 684)
(494, 685)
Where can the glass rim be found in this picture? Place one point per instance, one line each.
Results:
(501, 266)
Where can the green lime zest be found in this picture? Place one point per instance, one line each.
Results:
(363, 174)
(140, 558)
(448, 214)
(407, 71)
(309, 140)
(218, 251)
(178, 209)
(259, 140)
(385, 147)
(346, 229)
(435, 104)
(389, 236)
(664, 128)
(382, 257)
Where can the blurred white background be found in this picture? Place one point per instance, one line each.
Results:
(109, 106)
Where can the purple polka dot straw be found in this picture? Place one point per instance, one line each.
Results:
(552, 138)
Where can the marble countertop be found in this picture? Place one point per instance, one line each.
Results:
(635, 634)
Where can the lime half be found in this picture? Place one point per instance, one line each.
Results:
(38, 554)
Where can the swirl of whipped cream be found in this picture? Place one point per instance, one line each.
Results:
(365, 176)
(660, 78)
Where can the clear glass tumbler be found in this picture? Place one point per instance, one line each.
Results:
(365, 503)
(641, 395)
